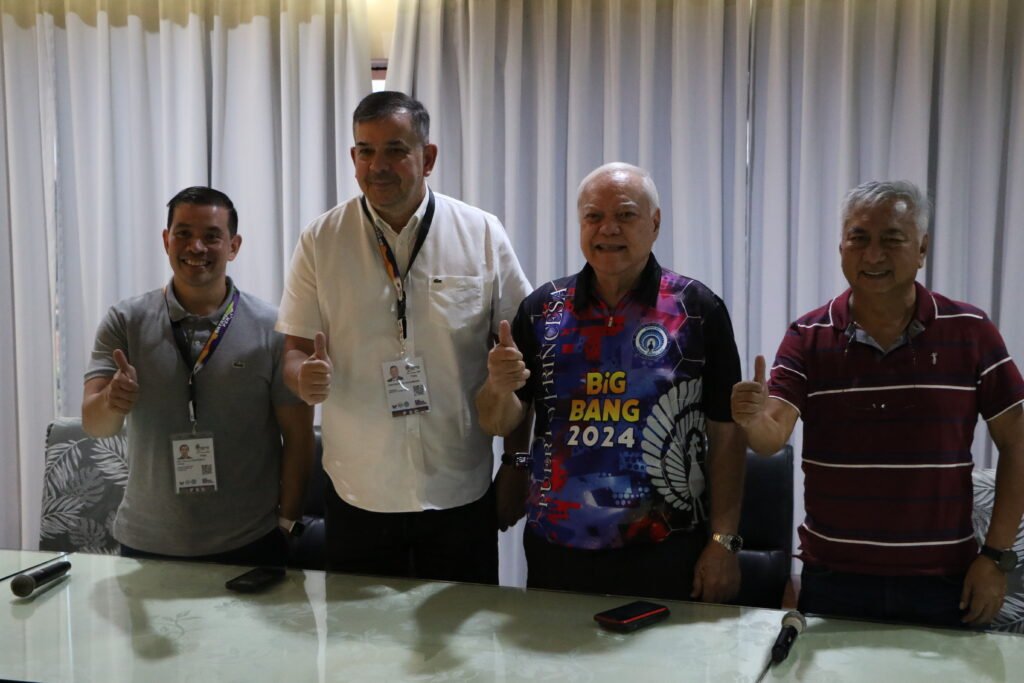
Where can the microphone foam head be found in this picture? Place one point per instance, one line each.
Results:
(795, 619)
(22, 585)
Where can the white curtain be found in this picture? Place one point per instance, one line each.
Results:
(110, 108)
(526, 98)
(106, 114)
(847, 91)
(531, 96)
(28, 211)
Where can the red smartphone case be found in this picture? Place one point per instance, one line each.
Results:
(632, 616)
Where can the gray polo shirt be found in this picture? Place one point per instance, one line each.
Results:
(236, 394)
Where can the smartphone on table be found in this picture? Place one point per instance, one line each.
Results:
(256, 580)
(631, 616)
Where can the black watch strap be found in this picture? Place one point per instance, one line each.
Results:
(520, 460)
(1006, 560)
(291, 528)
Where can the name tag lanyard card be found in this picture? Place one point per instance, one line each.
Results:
(406, 390)
(193, 453)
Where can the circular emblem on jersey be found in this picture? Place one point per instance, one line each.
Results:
(651, 341)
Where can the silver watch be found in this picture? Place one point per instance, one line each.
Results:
(732, 542)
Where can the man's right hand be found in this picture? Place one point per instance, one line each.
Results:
(314, 376)
(122, 391)
(506, 370)
(750, 398)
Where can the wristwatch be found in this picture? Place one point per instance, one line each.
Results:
(1006, 560)
(292, 528)
(732, 542)
(519, 460)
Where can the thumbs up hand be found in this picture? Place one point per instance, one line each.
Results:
(315, 373)
(506, 370)
(749, 398)
(123, 389)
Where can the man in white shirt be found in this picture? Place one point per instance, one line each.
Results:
(404, 277)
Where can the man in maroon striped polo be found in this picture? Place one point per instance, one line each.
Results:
(889, 379)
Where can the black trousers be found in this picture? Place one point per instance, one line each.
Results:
(457, 544)
(270, 550)
(650, 570)
(928, 600)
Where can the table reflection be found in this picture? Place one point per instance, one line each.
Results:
(120, 619)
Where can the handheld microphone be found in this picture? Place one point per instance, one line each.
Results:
(793, 623)
(24, 584)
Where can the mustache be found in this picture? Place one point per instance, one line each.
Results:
(381, 177)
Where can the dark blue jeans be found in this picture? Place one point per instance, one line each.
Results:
(926, 600)
(270, 550)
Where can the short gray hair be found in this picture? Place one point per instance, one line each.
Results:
(876, 193)
(650, 190)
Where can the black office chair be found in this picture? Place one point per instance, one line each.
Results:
(766, 525)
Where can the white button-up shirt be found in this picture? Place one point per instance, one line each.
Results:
(464, 281)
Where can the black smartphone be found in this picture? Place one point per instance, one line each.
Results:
(631, 616)
(256, 579)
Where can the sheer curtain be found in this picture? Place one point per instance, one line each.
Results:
(526, 98)
(108, 110)
(28, 211)
(530, 96)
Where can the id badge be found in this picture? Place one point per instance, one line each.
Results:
(194, 469)
(405, 386)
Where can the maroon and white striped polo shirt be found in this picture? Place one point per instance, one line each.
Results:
(887, 437)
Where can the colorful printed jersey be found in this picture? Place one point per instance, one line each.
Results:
(887, 436)
(622, 397)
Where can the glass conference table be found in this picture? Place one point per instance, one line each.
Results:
(15, 561)
(116, 619)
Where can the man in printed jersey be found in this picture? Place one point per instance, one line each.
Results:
(628, 367)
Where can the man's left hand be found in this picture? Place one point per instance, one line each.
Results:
(984, 589)
(716, 576)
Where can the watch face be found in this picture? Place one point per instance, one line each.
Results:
(731, 541)
(1007, 561)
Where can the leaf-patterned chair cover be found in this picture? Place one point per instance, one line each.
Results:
(83, 483)
(1011, 616)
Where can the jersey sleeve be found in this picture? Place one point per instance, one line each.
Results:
(722, 366)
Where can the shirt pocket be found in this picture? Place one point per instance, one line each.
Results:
(456, 301)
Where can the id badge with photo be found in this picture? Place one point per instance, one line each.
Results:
(194, 469)
(405, 386)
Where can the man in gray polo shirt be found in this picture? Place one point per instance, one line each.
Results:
(218, 448)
